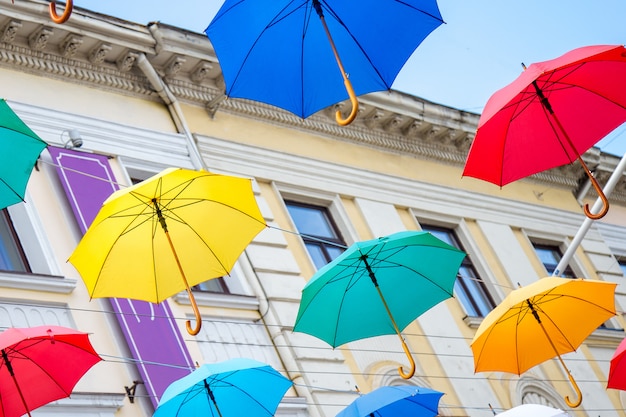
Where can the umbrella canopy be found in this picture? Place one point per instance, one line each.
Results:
(395, 402)
(20, 147)
(233, 388)
(533, 410)
(535, 323)
(378, 287)
(550, 115)
(180, 222)
(617, 370)
(39, 365)
(291, 54)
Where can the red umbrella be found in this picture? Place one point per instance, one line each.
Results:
(550, 115)
(617, 371)
(39, 365)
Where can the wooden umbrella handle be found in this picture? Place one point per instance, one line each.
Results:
(62, 18)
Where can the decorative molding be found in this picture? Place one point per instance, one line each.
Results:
(70, 45)
(10, 31)
(98, 54)
(38, 40)
(102, 51)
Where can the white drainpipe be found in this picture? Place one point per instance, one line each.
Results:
(174, 107)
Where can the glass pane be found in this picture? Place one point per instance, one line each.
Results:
(10, 252)
(622, 265)
(317, 255)
(471, 293)
(477, 294)
(550, 257)
(334, 251)
(311, 221)
(212, 285)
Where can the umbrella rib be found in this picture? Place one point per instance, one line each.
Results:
(271, 23)
(231, 385)
(356, 42)
(19, 355)
(12, 189)
(378, 261)
(545, 315)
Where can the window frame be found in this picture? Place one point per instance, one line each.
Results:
(331, 201)
(320, 241)
(568, 272)
(467, 262)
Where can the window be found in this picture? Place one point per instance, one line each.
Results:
(550, 255)
(318, 231)
(469, 289)
(12, 256)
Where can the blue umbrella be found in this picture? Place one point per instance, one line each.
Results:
(233, 388)
(287, 52)
(394, 402)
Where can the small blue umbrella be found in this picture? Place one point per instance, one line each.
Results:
(233, 388)
(291, 53)
(395, 402)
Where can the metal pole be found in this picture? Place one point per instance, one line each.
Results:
(582, 231)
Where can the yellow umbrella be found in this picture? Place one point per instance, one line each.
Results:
(177, 224)
(535, 323)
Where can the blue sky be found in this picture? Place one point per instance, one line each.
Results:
(478, 51)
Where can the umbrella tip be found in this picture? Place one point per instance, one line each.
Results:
(524, 66)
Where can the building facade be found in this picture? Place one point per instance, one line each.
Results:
(147, 97)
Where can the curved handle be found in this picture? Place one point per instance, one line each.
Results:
(411, 372)
(355, 105)
(579, 400)
(596, 186)
(194, 330)
(66, 13)
(605, 202)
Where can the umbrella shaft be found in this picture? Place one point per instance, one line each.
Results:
(17, 386)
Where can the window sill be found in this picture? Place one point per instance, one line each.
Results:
(210, 299)
(472, 321)
(37, 282)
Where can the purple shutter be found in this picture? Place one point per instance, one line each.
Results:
(150, 329)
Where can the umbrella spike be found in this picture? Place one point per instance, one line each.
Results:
(62, 18)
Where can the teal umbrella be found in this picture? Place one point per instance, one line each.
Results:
(377, 287)
(20, 147)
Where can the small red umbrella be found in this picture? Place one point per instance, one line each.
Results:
(617, 371)
(550, 115)
(39, 365)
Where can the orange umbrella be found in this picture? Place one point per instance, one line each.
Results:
(548, 318)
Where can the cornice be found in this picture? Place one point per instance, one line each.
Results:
(100, 51)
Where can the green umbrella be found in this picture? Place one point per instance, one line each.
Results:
(378, 287)
(20, 147)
